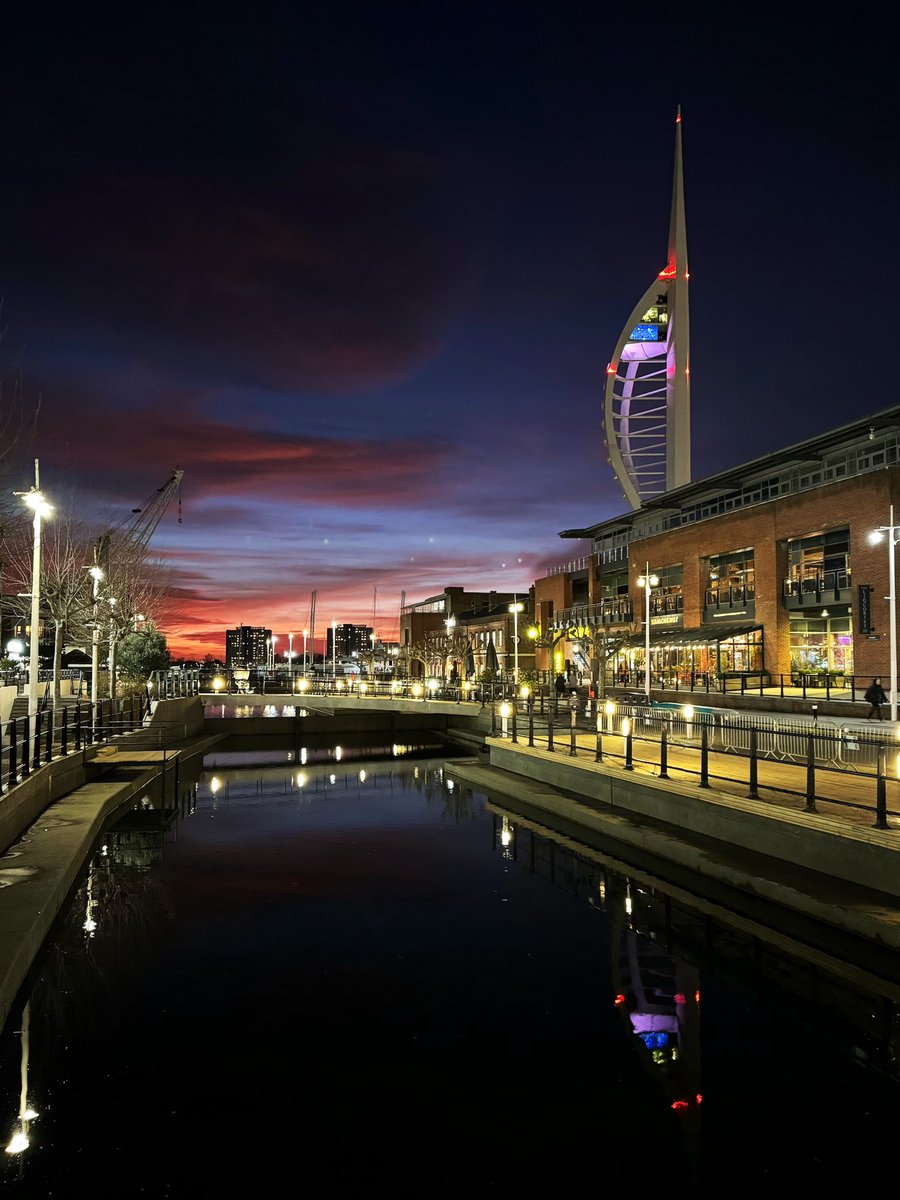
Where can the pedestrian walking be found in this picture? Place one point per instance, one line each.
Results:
(560, 685)
(875, 695)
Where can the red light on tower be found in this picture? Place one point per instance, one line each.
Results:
(668, 272)
(620, 999)
(611, 369)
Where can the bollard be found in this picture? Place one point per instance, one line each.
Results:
(704, 758)
(663, 753)
(880, 793)
(810, 775)
(493, 720)
(515, 732)
(549, 726)
(598, 752)
(629, 749)
(530, 720)
(572, 734)
(753, 794)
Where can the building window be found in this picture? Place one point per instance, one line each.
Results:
(820, 644)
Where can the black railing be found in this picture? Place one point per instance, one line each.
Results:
(708, 747)
(817, 586)
(28, 743)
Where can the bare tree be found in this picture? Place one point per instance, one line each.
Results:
(64, 582)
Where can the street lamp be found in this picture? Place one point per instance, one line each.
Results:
(41, 508)
(878, 535)
(515, 609)
(648, 582)
(97, 575)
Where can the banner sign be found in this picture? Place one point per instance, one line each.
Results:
(864, 607)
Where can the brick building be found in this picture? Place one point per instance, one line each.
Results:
(764, 570)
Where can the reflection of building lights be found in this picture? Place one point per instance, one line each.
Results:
(332, 778)
(301, 779)
(338, 753)
(505, 833)
(362, 777)
(215, 784)
(302, 756)
(450, 785)
(90, 925)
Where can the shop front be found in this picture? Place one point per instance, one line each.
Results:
(690, 657)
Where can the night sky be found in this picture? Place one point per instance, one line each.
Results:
(359, 270)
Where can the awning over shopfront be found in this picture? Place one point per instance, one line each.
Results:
(706, 635)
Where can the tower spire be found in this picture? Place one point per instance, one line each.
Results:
(647, 402)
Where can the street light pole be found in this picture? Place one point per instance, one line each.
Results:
(334, 650)
(305, 633)
(96, 574)
(515, 609)
(877, 535)
(648, 582)
(291, 658)
(40, 507)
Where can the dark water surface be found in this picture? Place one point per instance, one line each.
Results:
(354, 976)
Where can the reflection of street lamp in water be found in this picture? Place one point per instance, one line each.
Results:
(20, 1141)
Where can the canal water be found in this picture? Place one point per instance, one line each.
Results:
(340, 971)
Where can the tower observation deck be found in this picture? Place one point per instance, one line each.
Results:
(647, 409)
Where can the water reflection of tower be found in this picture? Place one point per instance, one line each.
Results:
(659, 994)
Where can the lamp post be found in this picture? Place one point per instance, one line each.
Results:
(648, 582)
(291, 659)
(334, 650)
(97, 575)
(878, 535)
(515, 608)
(450, 624)
(41, 508)
(305, 635)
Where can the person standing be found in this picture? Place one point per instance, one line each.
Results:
(876, 696)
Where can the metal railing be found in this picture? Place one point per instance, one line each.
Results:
(28, 743)
(633, 735)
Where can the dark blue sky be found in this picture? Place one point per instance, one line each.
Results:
(359, 271)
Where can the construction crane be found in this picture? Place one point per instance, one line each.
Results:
(136, 530)
(132, 535)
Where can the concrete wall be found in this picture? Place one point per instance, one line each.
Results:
(28, 799)
(867, 857)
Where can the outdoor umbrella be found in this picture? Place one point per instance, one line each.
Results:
(490, 659)
(470, 660)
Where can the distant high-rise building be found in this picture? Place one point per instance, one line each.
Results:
(349, 641)
(247, 646)
(647, 411)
